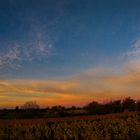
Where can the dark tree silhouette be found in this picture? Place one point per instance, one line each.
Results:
(128, 104)
(138, 105)
(93, 108)
(59, 110)
(17, 108)
(113, 106)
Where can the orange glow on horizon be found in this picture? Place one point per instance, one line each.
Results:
(98, 85)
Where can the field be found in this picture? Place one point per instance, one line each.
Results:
(121, 126)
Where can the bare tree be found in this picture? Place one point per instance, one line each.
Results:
(30, 105)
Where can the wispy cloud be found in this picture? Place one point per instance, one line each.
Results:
(34, 36)
(134, 54)
(37, 44)
(46, 92)
(19, 52)
(10, 57)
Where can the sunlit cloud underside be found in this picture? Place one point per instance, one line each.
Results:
(99, 84)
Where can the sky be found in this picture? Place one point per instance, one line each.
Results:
(69, 52)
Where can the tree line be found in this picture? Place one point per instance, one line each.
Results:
(32, 110)
(128, 104)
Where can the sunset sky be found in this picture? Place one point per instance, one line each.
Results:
(69, 52)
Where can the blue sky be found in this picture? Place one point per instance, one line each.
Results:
(81, 34)
(51, 39)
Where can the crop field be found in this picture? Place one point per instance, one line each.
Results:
(103, 127)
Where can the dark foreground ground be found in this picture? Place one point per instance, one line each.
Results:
(120, 126)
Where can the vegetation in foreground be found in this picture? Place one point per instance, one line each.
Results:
(125, 127)
(30, 122)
